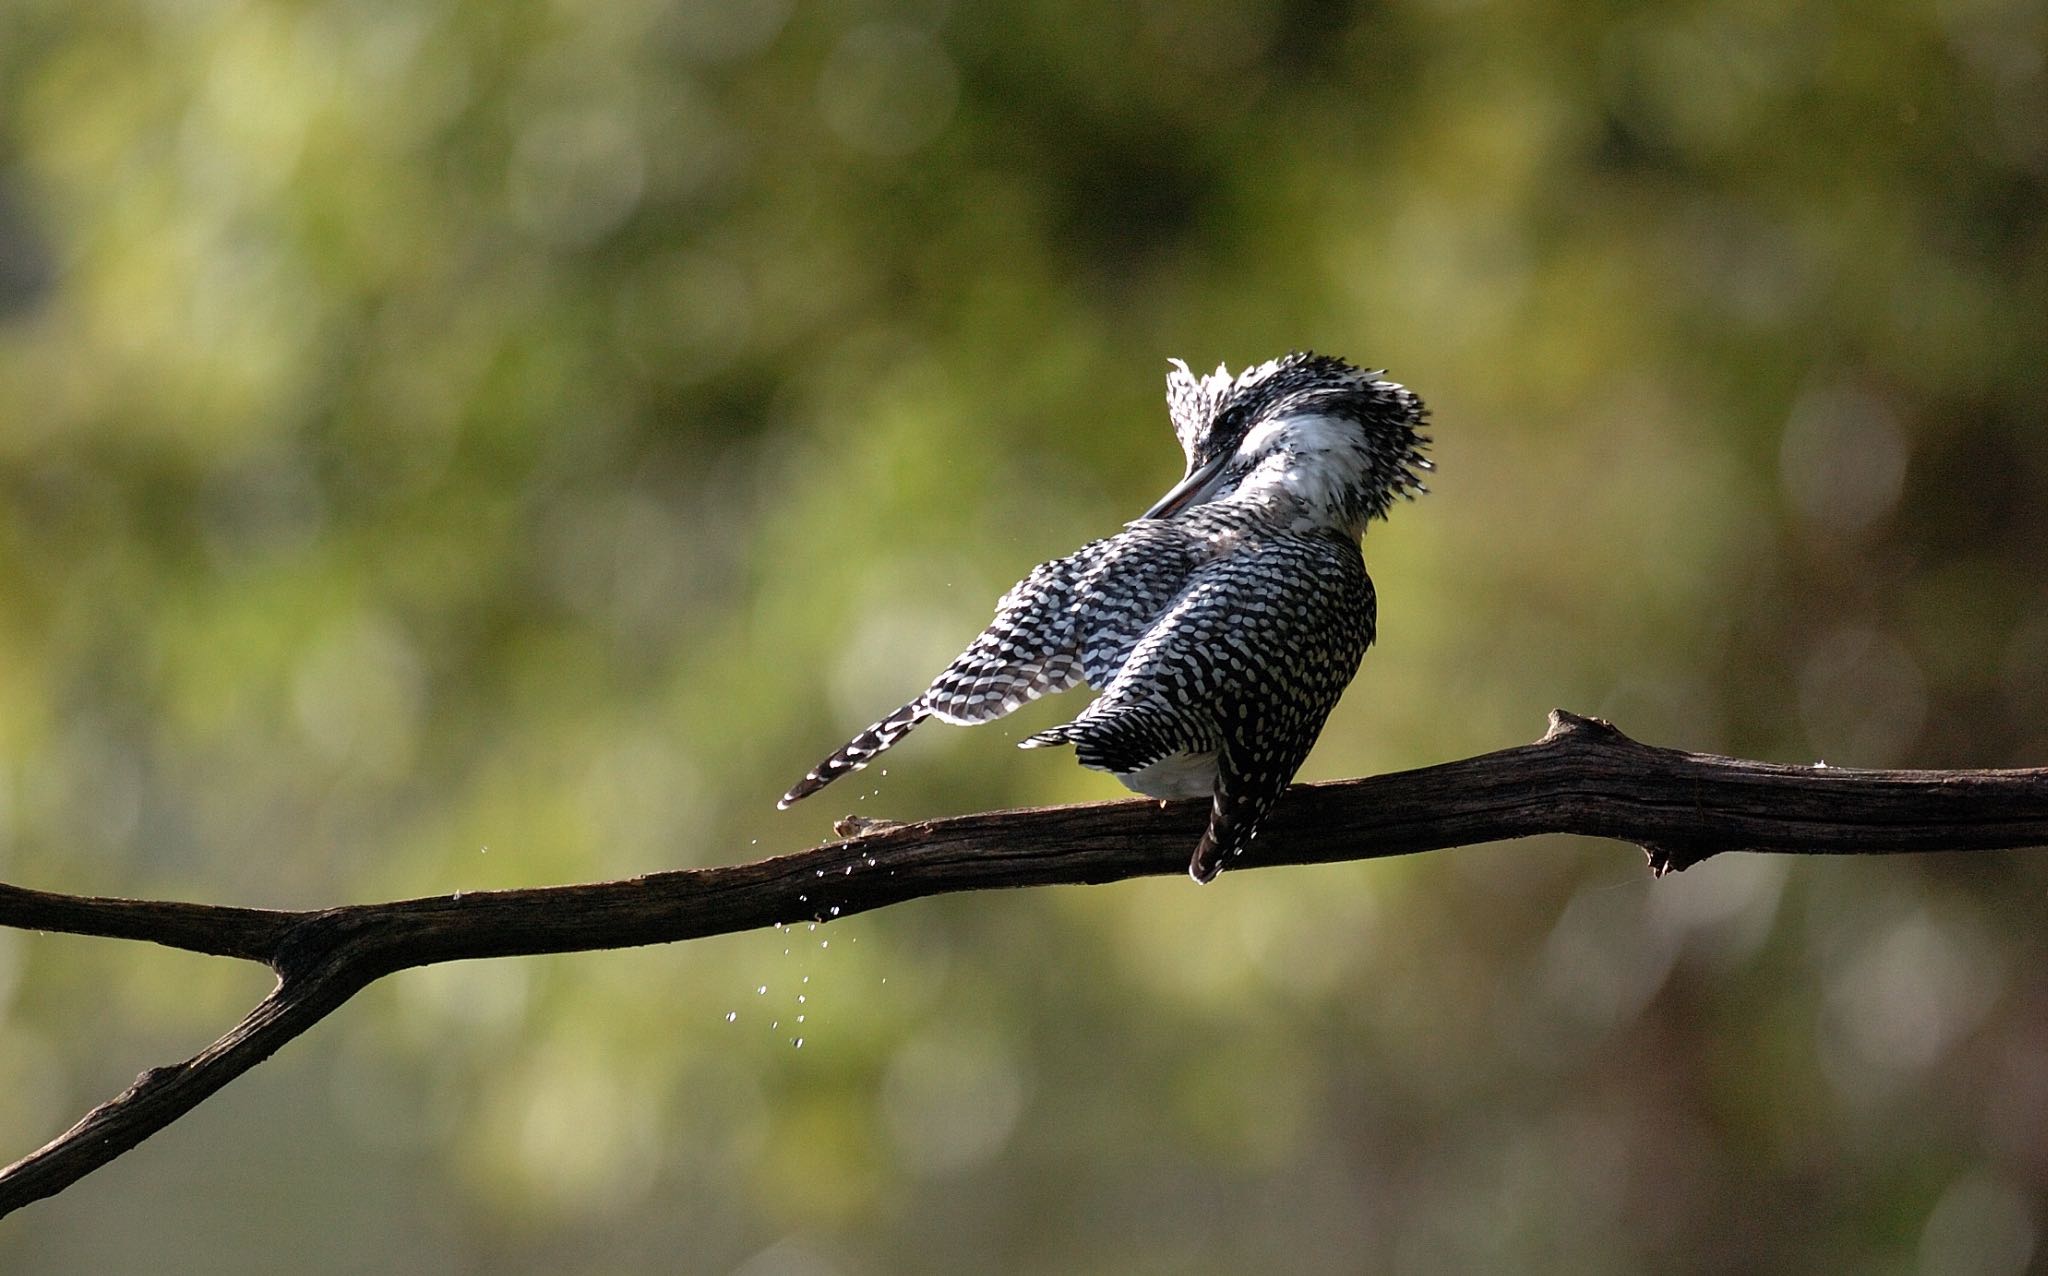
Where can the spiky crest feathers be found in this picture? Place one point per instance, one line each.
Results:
(1214, 413)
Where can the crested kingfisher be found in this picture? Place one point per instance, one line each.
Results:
(1223, 624)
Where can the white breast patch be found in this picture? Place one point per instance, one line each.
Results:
(1178, 775)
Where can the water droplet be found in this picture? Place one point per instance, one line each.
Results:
(762, 991)
(800, 999)
(824, 943)
(799, 1018)
(799, 1043)
(885, 770)
(835, 910)
(807, 979)
(731, 1016)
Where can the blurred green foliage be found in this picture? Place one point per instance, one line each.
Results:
(450, 444)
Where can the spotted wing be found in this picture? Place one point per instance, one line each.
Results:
(1071, 619)
(1248, 660)
(1292, 648)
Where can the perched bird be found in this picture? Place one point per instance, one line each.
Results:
(1221, 626)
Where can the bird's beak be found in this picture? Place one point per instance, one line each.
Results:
(1188, 490)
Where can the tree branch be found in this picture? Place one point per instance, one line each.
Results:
(1582, 777)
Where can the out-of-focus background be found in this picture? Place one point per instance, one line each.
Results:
(463, 445)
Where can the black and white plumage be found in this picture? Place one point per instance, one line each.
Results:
(1222, 626)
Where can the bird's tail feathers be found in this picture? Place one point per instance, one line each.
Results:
(859, 751)
(1211, 852)
(1233, 822)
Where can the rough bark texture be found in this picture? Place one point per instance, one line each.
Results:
(1582, 777)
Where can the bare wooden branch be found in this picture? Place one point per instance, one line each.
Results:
(1582, 777)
